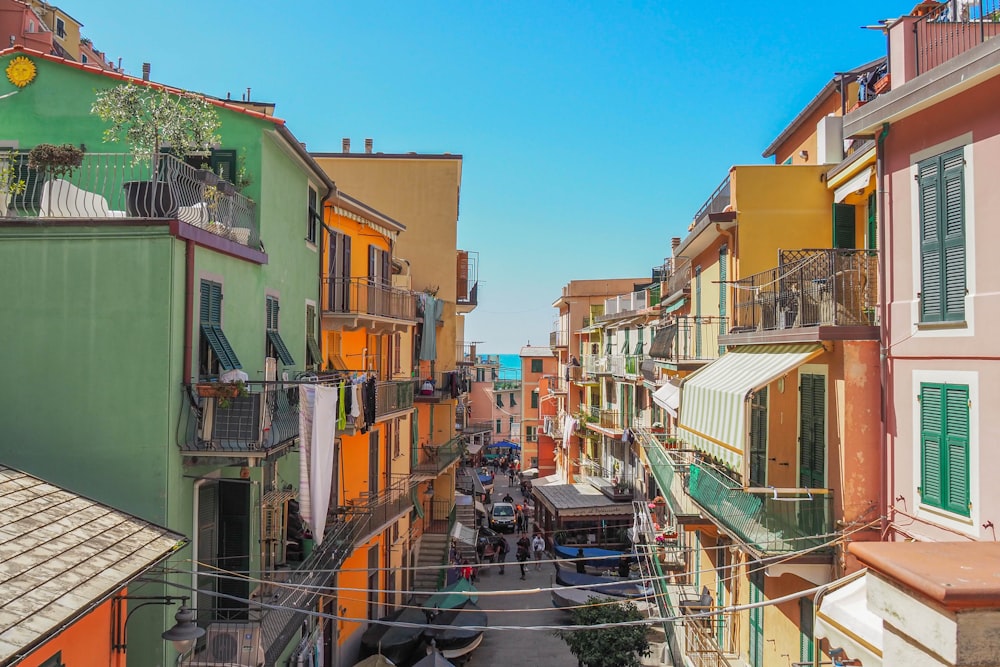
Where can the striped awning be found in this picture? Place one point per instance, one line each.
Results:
(668, 397)
(715, 399)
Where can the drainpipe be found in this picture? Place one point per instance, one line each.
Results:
(886, 452)
(188, 308)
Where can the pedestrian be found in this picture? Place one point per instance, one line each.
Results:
(624, 567)
(519, 522)
(581, 567)
(467, 572)
(508, 498)
(523, 548)
(538, 546)
(501, 549)
(510, 477)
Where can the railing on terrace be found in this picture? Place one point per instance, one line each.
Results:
(602, 417)
(393, 396)
(939, 37)
(364, 296)
(374, 513)
(558, 338)
(669, 467)
(446, 385)
(99, 188)
(809, 288)
(615, 486)
(596, 364)
(768, 520)
(263, 420)
(680, 276)
(696, 338)
(433, 459)
(716, 203)
(467, 283)
(506, 385)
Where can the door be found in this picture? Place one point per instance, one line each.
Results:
(373, 466)
(233, 548)
(756, 653)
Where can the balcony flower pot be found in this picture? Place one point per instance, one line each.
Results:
(150, 199)
(219, 389)
(226, 188)
(206, 176)
(882, 85)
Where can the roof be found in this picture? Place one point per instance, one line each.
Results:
(535, 351)
(579, 500)
(392, 156)
(62, 554)
(367, 211)
(821, 96)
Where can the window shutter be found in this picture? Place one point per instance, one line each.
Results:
(206, 303)
(208, 550)
(499, 401)
(513, 403)
(812, 450)
(624, 349)
(345, 266)
(372, 262)
(956, 402)
(843, 226)
(953, 234)
(931, 492)
(223, 163)
(386, 269)
(872, 222)
(639, 345)
(931, 287)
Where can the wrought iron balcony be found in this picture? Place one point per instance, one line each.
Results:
(357, 302)
(373, 514)
(941, 34)
(114, 187)
(670, 469)
(444, 386)
(467, 286)
(261, 422)
(809, 288)
(606, 419)
(393, 396)
(694, 341)
(432, 460)
(679, 280)
(767, 520)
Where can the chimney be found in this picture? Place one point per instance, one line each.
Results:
(368, 146)
(345, 145)
(145, 71)
(674, 242)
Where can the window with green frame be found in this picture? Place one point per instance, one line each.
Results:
(314, 355)
(498, 425)
(215, 354)
(512, 402)
(499, 401)
(944, 447)
(529, 433)
(274, 345)
(536, 365)
(941, 196)
(639, 345)
(534, 399)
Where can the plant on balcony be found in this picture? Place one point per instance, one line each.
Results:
(614, 646)
(55, 161)
(223, 392)
(149, 119)
(10, 184)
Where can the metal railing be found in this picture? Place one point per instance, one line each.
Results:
(467, 284)
(680, 276)
(716, 203)
(669, 467)
(262, 420)
(558, 338)
(374, 513)
(478, 427)
(770, 521)
(114, 186)
(364, 296)
(393, 396)
(941, 36)
(434, 459)
(446, 385)
(596, 364)
(696, 338)
(615, 486)
(810, 288)
(600, 416)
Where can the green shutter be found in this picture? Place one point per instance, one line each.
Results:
(625, 345)
(931, 287)
(843, 226)
(211, 302)
(498, 426)
(812, 436)
(513, 403)
(220, 347)
(931, 431)
(806, 648)
(756, 652)
(723, 291)
(280, 348)
(953, 234)
(223, 163)
(758, 437)
(872, 222)
(956, 408)
(499, 400)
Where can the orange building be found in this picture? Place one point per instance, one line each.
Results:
(537, 365)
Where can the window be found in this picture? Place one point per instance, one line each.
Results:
(220, 161)
(758, 437)
(338, 261)
(639, 345)
(530, 433)
(223, 542)
(60, 28)
(313, 217)
(379, 267)
(944, 446)
(510, 428)
(314, 356)
(275, 346)
(941, 183)
(812, 431)
(843, 226)
(534, 399)
(215, 353)
(499, 401)
(54, 661)
(513, 403)
(498, 425)
(536, 365)
(83, 58)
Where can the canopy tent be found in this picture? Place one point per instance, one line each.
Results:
(504, 444)
(715, 400)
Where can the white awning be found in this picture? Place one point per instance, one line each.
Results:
(713, 411)
(474, 447)
(844, 619)
(668, 397)
(463, 534)
(858, 182)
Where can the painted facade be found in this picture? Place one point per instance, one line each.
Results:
(536, 363)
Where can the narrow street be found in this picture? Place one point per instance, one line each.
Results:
(517, 647)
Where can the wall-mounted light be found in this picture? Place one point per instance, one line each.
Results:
(804, 155)
(182, 635)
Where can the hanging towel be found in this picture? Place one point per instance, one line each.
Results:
(433, 308)
(322, 458)
(355, 402)
(341, 406)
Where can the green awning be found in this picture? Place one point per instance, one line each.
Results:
(715, 400)
(414, 496)
(220, 347)
(675, 306)
(279, 347)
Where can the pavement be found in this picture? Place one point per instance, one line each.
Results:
(529, 609)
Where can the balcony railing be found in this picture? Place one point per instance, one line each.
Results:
(941, 36)
(618, 487)
(467, 287)
(374, 514)
(769, 521)
(447, 385)
(716, 203)
(596, 364)
(679, 278)
(363, 296)
(262, 421)
(670, 469)
(696, 339)
(98, 190)
(393, 396)
(478, 427)
(600, 416)
(433, 460)
(810, 288)
(558, 338)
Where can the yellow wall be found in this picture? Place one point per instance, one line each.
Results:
(785, 207)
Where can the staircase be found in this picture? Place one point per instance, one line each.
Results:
(433, 551)
(466, 515)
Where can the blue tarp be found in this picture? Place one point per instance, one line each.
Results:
(504, 444)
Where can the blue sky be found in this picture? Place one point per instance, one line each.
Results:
(591, 131)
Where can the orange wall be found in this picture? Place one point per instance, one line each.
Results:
(86, 643)
(353, 575)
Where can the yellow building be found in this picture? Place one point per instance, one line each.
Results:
(366, 331)
(65, 29)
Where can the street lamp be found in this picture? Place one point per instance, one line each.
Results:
(182, 635)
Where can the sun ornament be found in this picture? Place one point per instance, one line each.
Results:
(21, 71)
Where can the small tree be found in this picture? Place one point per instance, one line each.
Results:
(620, 646)
(149, 119)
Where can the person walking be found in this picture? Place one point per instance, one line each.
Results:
(538, 546)
(581, 562)
(523, 549)
(501, 550)
(510, 477)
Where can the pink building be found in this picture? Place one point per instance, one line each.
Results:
(495, 401)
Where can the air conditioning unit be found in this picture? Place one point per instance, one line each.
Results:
(231, 645)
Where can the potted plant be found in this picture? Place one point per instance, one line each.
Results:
(10, 184)
(224, 392)
(149, 119)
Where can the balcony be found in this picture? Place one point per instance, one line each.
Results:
(940, 35)
(467, 286)
(770, 521)
(558, 338)
(596, 364)
(692, 343)
(393, 397)
(617, 487)
(812, 295)
(433, 460)
(446, 386)
(477, 427)
(261, 423)
(96, 192)
(678, 283)
(352, 303)
(717, 202)
(373, 514)
(600, 417)
(669, 467)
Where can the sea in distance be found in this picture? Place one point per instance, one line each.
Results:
(510, 365)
